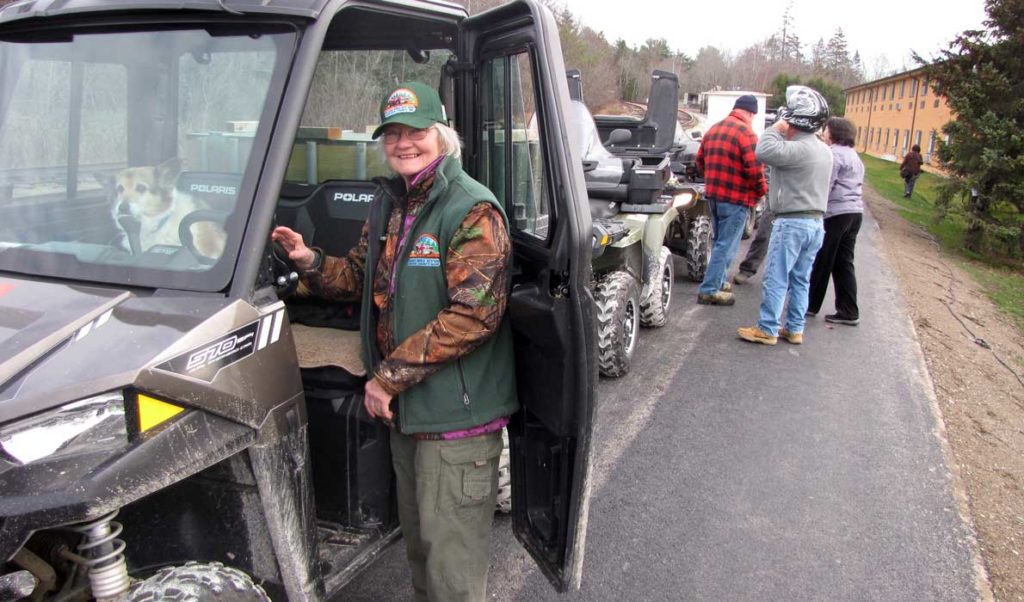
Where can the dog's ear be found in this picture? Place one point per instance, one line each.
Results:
(167, 173)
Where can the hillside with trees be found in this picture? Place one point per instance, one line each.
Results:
(613, 70)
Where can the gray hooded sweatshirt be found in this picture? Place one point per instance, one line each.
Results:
(801, 173)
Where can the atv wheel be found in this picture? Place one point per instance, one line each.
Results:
(504, 500)
(654, 308)
(618, 322)
(748, 228)
(195, 582)
(698, 247)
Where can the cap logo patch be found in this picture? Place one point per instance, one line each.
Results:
(426, 253)
(402, 100)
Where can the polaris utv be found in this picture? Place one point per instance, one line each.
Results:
(651, 139)
(173, 422)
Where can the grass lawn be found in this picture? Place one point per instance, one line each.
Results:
(1003, 284)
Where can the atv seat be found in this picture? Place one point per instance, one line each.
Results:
(329, 215)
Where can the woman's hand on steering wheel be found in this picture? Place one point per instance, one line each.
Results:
(292, 242)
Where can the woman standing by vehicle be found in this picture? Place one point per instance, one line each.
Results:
(843, 218)
(433, 272)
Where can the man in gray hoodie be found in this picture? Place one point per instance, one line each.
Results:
(798, 195)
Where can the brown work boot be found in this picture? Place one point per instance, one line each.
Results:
(794, 338)
(756, 335)
(717, 298)
(742, 277)
(726, 287)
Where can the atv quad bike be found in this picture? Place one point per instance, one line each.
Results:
(173, 424)
(633, 205)
(651, 139)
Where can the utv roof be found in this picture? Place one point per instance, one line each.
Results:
(299, 8)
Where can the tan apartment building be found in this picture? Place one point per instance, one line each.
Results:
(894, 113)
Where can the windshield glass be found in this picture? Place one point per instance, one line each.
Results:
(125, 156)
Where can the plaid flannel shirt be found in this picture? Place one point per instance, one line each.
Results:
(732, 172)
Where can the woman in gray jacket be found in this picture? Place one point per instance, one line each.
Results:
(842, 223)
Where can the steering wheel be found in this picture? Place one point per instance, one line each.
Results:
(185, 231)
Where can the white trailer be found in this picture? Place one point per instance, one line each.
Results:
(720, 103)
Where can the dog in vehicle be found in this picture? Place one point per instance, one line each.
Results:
(149, 195)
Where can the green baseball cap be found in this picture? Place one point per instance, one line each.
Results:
(413, 104)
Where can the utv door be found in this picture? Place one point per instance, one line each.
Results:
(511, 92)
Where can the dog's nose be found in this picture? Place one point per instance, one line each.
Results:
(124, 209)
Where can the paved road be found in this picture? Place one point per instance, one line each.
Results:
(732, 471)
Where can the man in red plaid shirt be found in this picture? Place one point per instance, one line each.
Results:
(734, 181)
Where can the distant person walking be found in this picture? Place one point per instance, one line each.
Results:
(843, 219)
(910, 170)
(801, 166)
(734, 181)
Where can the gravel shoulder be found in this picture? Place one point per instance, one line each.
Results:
(975, 356)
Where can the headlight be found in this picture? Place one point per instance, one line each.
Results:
(87, 425)
(684, 199)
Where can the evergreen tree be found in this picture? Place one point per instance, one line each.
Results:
(833, 94)
(981, 76)
(858, 68)
(818, 56)
(837, 56)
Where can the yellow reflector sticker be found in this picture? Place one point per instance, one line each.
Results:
(153, 412)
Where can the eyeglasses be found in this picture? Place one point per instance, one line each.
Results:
(393, 136)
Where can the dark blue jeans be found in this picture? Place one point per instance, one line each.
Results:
(728, 220)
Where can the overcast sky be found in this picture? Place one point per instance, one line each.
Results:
(887, 28)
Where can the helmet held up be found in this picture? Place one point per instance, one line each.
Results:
(806, 109)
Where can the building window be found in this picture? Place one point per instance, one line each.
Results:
(892, 91)
(886, 137)
(917, 138)
(913, 87)
(858, 133)
(883, 92)
(924, 88)
(899, 106)
(906, 141)
(936, 103)
(903, 87)
(922, 104)
(890, 106)
(932, 137)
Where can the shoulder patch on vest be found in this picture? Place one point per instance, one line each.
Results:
(426, 253)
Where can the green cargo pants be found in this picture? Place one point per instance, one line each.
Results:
(446, 499)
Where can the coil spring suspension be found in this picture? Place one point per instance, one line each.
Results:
(103, 554)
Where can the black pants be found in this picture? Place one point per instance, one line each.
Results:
(759, 246)
(835, 259)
